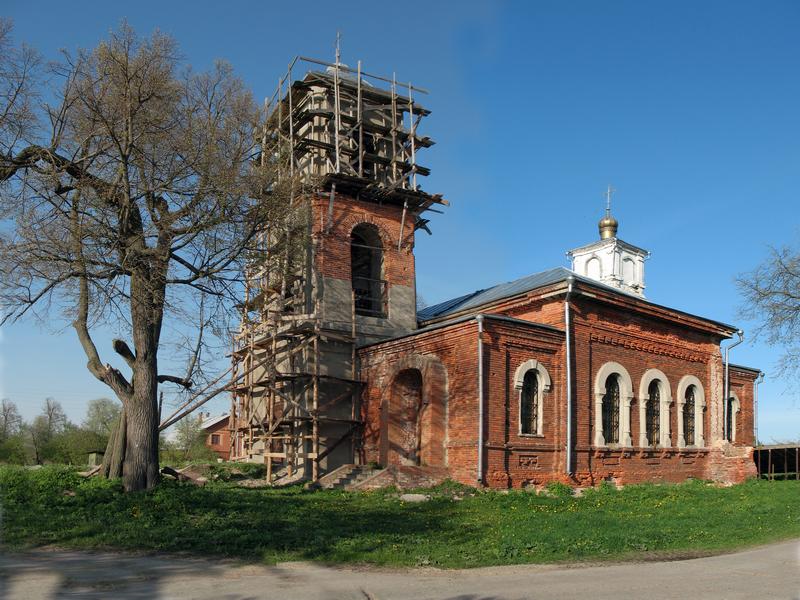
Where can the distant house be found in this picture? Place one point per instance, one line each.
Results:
(218, 435)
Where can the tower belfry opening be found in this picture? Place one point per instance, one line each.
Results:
(334, 269)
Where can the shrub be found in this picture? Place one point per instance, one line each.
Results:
(559, 490)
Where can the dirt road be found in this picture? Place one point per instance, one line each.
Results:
(766, 572)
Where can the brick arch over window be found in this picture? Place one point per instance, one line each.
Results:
(543, 382)
(625, 398)
(684, 384)
(350, 223)
(665, 401)
(432, 417)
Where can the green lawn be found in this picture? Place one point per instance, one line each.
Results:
(52, 506)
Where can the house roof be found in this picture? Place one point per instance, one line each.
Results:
(211, 421)
(484, 297)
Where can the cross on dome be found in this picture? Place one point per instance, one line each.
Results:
(608, 225)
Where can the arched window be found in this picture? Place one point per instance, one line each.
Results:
(655, 399)
(532, 381)
(691, 406)
(653, 413)
(628, 271)
(366, 264)
(613, 393)
(593, 268)
(611, 410)
(689, 416)
(529, 404)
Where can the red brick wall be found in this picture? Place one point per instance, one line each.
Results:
(514, 459)
(333, 258)
(455, 348)
(743, 385)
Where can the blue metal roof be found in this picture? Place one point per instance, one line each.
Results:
(526, 284)
(498, 292)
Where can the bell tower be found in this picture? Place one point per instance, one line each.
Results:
(336, 269)
(610, 260)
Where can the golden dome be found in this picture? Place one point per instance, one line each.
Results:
(608, 226)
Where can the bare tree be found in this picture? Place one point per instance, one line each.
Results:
(134, 203)
(54, 416)
(771, 296)
(10, 419)
(18, 67)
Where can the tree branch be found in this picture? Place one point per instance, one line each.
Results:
(185, 383)
(121, 348)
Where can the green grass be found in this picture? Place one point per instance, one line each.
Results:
(53, 506)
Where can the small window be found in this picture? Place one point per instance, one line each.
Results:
(215, 439)
(610, 409)
(689, 416)
(653, 412)
(529, 404)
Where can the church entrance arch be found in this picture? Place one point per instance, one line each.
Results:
(414, 414)
(405, 410)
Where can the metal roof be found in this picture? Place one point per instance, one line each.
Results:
(498, 292)
(526, 284)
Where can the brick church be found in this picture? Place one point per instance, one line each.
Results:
(565, 375)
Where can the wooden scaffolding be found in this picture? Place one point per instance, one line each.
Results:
(334, 127)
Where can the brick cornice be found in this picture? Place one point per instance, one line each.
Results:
(644, 344)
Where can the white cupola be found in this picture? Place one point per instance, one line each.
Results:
(610, 260)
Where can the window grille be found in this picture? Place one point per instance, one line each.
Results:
(529, 409)
(688, 416)
(653, 412)
(611, 411)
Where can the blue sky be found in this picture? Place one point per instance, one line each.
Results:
(691, 110)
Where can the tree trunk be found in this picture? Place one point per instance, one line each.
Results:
(115, 450)
(140, 468)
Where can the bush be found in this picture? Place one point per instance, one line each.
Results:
(41, 485)
(559, 490)
(13, 451)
